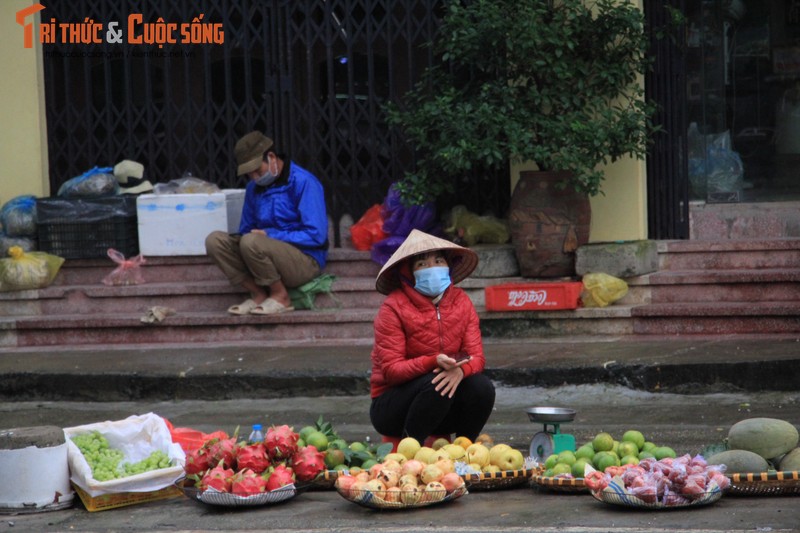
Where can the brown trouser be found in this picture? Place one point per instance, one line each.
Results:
(262, 258)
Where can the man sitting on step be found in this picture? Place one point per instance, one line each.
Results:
(283, 235)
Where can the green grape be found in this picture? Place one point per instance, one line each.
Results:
(107, 463)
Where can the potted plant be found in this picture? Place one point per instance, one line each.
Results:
(555, 82)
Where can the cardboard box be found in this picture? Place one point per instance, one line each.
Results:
(178, 224)
(533, 296)
(122, 499)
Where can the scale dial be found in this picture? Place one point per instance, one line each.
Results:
(541, 446)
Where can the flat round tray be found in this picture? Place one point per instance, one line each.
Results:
(373, 501)
(550, 414)
(223, 499)
(505, 479)
(764, 484)
(559, 484)
(615, 494)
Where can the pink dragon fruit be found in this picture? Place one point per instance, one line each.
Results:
(197, 461)
(252, 456)
(281, 442)
(279, 476)
(246, 483)
(307, 463)
(218, 478)
(223, 450)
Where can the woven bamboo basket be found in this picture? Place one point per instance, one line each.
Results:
(559, 484)
(765, 484)
(505, 479)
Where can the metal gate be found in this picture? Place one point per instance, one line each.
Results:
(665, 84)
(313, 74)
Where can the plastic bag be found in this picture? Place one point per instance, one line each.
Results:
(24, 271)
(369, 229)
(18, 216)
(28, 244)
(601, 290)
(136, 437)
(713, 165)
(188, 184)
(399, 220)
(94, 183)
(128, 271)
(468, 229)
(303, 297)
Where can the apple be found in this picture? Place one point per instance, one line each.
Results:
(496, 451)
(510, 459)
(431, 473)
(478, 453)
(409, 447)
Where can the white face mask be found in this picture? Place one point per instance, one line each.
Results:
(269, 177)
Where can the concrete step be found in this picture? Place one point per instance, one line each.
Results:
(728, 255)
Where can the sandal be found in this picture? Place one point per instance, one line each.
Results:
(270, 307)
(243, 308)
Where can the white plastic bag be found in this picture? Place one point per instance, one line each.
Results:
(137, 437)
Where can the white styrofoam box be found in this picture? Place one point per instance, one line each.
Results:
(178, 224)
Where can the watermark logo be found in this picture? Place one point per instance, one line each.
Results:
(27, 29)
(134, 30)
(520, 298)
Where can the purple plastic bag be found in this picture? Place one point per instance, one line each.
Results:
(398, 221)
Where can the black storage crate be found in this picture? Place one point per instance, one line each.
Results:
(86, 228)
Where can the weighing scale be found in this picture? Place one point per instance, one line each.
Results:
(550, 441)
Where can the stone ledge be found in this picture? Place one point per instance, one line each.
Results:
(620, 259)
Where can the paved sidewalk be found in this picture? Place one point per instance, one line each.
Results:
(208, 371)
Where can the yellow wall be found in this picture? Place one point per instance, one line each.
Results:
(23, 136)
(620, 213)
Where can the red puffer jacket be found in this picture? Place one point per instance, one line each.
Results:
(410, 331)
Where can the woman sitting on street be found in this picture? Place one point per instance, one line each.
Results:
(427, 360)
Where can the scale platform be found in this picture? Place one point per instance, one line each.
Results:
(550, 441)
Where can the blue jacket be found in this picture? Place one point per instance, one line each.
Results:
(290, 210)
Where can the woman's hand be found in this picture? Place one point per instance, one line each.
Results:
(447, 381)
(447, 362)
(256, 230)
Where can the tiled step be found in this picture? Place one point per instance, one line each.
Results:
(717, 318)
(728, 255)
(341, 263)
(355, 325)
(751, 285)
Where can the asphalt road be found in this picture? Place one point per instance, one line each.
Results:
(685, 422)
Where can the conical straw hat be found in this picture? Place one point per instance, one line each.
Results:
(462, 261)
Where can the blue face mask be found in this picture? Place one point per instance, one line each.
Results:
(432, 281)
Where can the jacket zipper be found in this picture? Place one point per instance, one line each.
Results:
(439, 320)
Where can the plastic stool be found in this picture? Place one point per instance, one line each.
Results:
(394, 440)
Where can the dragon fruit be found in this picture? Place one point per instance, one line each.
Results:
(252, 456)
(246, 483)
(279, 476)
(223, 450)
(307, 463)
(281, 442)
(218, 478)
(197, 461)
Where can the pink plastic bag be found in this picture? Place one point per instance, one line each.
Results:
(129, 271)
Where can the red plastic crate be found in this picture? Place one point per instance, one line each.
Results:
(533, 296)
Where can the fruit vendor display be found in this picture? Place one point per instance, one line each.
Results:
(338, 453)
(603, 452)
(758, 445)
(108, 463)
(412, 482)
(670, 481)
(241, 468)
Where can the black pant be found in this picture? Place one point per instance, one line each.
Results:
(416, 409)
